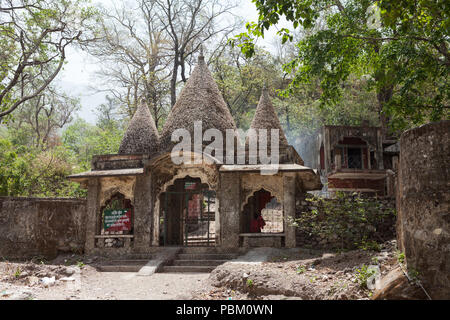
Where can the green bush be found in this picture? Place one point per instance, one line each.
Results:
(346, 222)
(363, 274)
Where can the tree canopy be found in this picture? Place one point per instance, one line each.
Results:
(400, 47)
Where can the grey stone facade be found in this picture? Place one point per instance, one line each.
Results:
(423, 199)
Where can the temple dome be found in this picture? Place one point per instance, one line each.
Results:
(266, 118)
(141, 136)
(200, 100)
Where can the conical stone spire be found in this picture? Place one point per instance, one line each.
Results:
(266, 118)
(141, 136)
(200, 100)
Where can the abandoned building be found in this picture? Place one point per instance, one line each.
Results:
(139, 199)
(354, 159)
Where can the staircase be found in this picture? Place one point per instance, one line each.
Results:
(131, 263)
(195, 260)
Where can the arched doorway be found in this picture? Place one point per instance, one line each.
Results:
(263, 203)
(187, 215)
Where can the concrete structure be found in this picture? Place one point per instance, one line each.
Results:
(197, 204)
(423, 199)
(353, 158)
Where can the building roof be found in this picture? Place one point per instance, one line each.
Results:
(200, 100)
(290, 167)
(141, 136)
(107, 173)
(266, 118)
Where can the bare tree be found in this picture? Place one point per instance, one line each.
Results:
(148, 46)
(45, 114)
(134, 54)
(189, 23)
(34, 34)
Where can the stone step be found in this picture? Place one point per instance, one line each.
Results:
(122, 265)
(198, 262)
(120, 268)
(139, 256)
(188, 268)
(128, 261)
(207, 256)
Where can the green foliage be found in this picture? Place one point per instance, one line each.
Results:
(400, 257)
(363, 274)
(85, 140)
(400, 47)
(249, 283)
(346, 222)
(17, 273)
(240, 80)
(365, 244)
(301, 269)
(34, 36)
(26, 171)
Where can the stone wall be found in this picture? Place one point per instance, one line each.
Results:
(41, 226)
(423, 205)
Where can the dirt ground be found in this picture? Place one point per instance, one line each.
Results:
(284, 274)
(84, 282)
(301, 274)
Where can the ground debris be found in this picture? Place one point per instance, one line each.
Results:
(299, 274)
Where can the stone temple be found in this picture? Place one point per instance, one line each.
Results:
(140, 200)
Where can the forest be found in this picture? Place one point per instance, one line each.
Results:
(332, 62)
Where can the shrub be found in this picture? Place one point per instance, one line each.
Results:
(346, 222)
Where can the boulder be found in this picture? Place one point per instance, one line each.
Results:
(396, 286)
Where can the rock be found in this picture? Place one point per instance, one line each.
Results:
(395, 286)
(24, 274)
(32, 281)
(69, 271)
(48, 281)
(22, 295)
(67, 279)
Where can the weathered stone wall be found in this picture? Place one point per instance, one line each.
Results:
(41, 226)
(423, 205)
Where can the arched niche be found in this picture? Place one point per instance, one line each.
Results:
(264, 203)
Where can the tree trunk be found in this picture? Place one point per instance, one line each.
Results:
(173, 80)
(384, 95)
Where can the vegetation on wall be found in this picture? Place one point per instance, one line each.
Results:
(348, 221)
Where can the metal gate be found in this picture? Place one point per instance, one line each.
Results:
(197, 216)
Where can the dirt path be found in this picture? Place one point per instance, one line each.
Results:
(89, 284)
(263, 273)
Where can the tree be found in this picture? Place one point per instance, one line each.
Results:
(133, 51)
(40, 118)
(34, 35)
(85, 140)
(240, 80)
(403, 53)
(147, 46)
(188, 24)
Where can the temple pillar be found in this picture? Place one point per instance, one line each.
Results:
(229, 201)
(289, 209)
(143, 212)
(92, 214)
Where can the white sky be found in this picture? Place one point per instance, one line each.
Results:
(79, 73)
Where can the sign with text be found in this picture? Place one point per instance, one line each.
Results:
(117, 220)
(190, 185)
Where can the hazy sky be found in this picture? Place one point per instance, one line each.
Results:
(79, 73)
